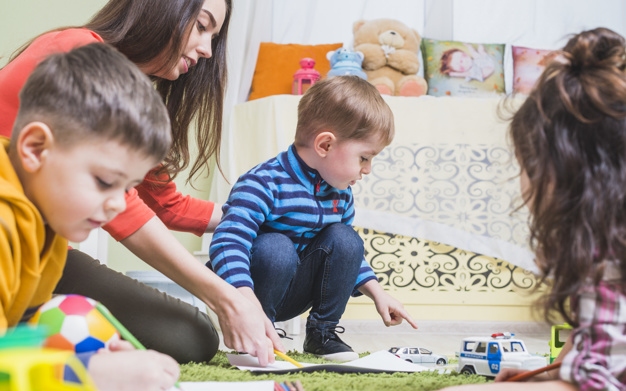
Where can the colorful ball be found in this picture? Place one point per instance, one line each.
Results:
(74, 323)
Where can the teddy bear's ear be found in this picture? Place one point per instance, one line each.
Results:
(357, 25)
(361, 55)
(329, 55)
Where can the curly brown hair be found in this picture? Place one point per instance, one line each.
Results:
(570, 140)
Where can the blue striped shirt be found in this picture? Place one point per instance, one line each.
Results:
(281, 195)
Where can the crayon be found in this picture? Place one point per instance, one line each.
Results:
(527, 375)
(124, 333)
(287, 358)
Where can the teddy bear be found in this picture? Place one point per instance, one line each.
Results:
(390, 56)
(344, 61)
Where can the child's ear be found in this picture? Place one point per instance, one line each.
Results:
(33, 144)
(324, 142)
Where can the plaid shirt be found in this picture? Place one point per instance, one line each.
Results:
(597, 360)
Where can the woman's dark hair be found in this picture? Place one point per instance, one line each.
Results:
(145, 30)
(570, 139)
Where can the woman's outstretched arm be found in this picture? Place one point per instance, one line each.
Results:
(239, 318)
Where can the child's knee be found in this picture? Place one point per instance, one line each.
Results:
(346, 239)
(273, 251)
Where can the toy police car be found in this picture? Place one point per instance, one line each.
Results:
(488, 355)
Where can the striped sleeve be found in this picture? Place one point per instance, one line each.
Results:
(245, 211)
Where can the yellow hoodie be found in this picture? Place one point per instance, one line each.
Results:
(30, 266)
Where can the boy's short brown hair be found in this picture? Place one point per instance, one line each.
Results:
(94, 92)
(349, 106)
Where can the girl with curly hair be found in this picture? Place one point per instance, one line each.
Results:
(570, 141)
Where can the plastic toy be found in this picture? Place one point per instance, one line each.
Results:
(558, 336)
(418, 355)
(305, 77)
(344, 61)
(22, 336)
(26, 366)
(74, 323)
(488, 355)
(33, 368)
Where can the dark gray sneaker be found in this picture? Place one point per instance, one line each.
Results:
(327, 344)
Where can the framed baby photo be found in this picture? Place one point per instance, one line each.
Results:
(454, 68)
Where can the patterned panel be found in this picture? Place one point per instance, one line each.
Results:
(471, 187)
(411, 264)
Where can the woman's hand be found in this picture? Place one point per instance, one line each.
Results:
(246, 328)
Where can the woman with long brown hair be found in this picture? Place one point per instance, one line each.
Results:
(181, 45)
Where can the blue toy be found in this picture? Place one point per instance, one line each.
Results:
(344, 61)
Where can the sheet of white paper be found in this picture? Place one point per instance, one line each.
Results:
(381, 360)
(386, 361)
(265, 385)
(250, 363)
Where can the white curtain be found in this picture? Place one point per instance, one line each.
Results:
(330, 21)
(542, 24)
(251, 24)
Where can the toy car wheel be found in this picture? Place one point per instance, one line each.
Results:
(468, 370)
(441, 361)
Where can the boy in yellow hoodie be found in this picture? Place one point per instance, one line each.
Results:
(89, 127)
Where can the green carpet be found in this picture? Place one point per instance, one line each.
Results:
(219, 369)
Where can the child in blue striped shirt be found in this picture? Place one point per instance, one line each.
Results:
(286, 239)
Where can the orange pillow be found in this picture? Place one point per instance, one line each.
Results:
(277, 63)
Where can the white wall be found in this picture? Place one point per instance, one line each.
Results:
(21, 20)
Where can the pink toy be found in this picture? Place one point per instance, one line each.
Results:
(305, 77)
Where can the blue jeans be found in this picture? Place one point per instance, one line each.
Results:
(321, 277)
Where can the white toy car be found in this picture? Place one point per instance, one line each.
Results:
(488, 355)
(418, 355)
